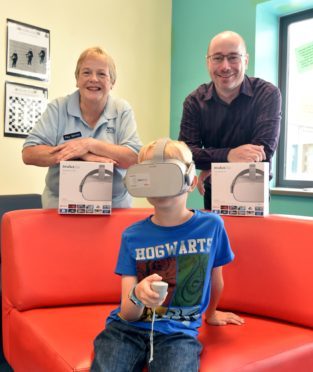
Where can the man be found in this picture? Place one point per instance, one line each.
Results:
(234, 118)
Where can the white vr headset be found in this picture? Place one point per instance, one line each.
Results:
(97, 184)
(248, 185)
(159, 177)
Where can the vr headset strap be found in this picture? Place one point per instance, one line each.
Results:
(252, 172)
(159, 149)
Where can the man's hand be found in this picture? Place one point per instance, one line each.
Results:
(247, 153)
(204, 174)
(221, 318)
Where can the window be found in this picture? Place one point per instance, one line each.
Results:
(295, 153)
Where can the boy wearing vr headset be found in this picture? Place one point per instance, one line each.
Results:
(175, 247)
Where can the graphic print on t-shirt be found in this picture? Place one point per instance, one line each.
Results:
(185, 275)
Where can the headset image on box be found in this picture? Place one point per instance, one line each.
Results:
(97, 184)
(248, 185)
(159, 177)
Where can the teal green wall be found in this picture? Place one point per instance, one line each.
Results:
(194, 23)
(297, 205)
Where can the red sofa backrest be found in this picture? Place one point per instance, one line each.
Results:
(53, 260)
(272, 271)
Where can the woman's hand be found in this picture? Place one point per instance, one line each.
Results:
(92, 157)
(74, 149)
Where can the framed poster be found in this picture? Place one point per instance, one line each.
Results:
(24, 104)
(28, 51)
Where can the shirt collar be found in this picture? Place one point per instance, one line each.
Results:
(245, 89)
(108, 113)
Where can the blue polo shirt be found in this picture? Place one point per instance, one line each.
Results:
(62, 121)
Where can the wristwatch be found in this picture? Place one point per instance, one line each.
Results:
(134, 299)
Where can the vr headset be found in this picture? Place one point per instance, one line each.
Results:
(159, 177)
(97, 184)
(248, 185)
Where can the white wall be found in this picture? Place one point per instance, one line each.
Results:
(136, 33)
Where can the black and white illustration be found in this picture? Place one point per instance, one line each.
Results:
(28, 51)
(24, 104)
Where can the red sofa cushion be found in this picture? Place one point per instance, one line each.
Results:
(57, 339)
(61, 339)
(261, 344)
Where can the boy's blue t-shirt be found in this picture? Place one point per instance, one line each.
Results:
(184, 256)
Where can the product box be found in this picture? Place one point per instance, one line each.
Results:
(240, 189)
(85, 187)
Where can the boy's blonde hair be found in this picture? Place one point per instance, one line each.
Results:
(173, 150)
(97, 51)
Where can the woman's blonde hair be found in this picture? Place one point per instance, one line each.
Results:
(173, 150)
(97, 51)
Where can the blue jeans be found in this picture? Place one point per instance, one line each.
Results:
(125, 348)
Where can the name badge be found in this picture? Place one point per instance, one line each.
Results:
(110, 130)
(71, 136)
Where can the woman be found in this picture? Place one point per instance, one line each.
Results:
(89, 125)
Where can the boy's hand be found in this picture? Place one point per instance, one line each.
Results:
(146, 294)
(221, 318)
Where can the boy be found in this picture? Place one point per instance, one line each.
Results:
(184, 248)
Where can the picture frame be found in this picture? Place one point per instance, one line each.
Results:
(28, 51)
(24, 105)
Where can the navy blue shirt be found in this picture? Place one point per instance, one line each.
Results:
(211, 127)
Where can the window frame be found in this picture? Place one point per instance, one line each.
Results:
(284, 23)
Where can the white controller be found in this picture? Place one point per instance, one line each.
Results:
(160, 287)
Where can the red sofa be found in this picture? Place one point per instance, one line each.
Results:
(59, 286)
